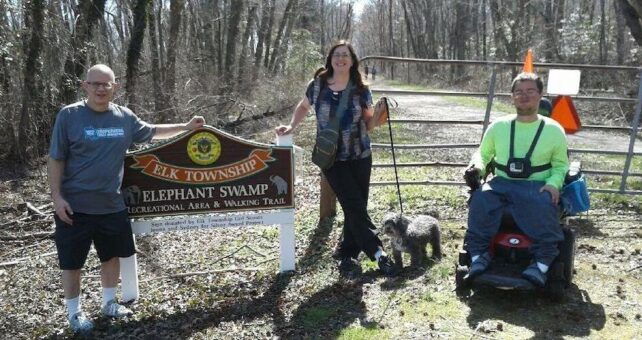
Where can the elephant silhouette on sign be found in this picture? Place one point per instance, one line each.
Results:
(131, 194)
(280, 183)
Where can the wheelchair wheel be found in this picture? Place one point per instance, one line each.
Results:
(567, 255)
(463, 259)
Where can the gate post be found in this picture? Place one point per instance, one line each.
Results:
(328, 200)
(129, 277)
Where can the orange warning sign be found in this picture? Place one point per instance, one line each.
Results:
(564, 113)
(528, 62)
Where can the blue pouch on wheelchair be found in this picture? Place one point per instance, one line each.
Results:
(575, 197)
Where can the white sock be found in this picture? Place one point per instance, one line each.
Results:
(73, 306)
(474, 258)
(542, 267)
(380, 253)
(108, 295)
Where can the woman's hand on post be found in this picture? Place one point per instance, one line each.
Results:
(284, 130)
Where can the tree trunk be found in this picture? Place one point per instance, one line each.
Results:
(246, 38)
(25, 148)
(134, 51)
(91, 12)
(632, 18)
(603, 24)
(409, 28)
(155, 63)
(268, 36)
(391, 32)
(279, 60)
(279, 35)
(322, 32)
(262, 35)
(176, 12)
(232, 36)
(620, 34)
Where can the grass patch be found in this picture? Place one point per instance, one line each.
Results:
(315, 316)
(364, 333)
(480, 103)
(399, 85)
(433, 305)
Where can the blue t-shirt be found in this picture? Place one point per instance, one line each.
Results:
(93, 146)
(354, 142)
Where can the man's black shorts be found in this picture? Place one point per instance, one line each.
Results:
(111, 234)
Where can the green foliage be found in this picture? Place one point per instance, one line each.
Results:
(303, 57)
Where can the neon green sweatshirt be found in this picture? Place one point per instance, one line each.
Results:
(551, 147)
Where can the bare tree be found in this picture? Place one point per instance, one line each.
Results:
(232, 36)
(262, 39)
(176, 12)
(89, 12)
(134, 51)
(249, 27)
(31, 99)
(155, 60)
(632, 11)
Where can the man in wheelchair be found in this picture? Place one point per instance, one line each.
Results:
(530, 156)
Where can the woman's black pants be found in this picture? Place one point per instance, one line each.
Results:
(350, 181)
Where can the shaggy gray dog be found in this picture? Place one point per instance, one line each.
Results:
(411, 236)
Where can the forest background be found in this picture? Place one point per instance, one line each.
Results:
(237, 61)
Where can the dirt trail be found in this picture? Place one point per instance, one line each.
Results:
(436, 107)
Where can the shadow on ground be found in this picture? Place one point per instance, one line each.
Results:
(576, 316)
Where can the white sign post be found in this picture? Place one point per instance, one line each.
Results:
(284, 218)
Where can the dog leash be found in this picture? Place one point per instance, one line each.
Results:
(386, 101)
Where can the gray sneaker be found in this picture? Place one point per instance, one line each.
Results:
(115, 310)
(80, 324)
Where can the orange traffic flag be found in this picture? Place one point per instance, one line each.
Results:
(528, 62)
(564, 113)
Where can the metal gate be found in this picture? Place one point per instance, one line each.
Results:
(490, 95)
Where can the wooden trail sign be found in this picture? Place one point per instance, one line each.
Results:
(226, 180)
(208, 170)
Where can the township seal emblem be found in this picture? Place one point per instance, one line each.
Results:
(203, 148)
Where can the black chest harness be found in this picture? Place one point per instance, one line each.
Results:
(521, 167)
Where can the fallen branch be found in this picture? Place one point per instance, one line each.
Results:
(36, 210)
(23, 259)
(27, 217)
(206, 272)
(41, 234)
(634, 268)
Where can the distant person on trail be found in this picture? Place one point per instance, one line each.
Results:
(85, 169)
(349, 175)
(365, 68)
(530, 155)
(374, 73)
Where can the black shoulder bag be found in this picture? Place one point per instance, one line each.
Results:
(327, 143)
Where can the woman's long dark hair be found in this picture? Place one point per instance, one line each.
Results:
(328, 71)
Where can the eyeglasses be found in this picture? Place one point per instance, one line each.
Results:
(528, 92)
(341, 55)
(96, 85)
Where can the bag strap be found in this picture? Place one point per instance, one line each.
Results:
(343, 104)
(533, 143)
